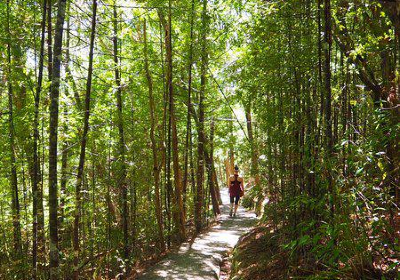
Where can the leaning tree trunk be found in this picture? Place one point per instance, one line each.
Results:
(82, 155)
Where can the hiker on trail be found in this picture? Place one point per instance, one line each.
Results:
(236, 190)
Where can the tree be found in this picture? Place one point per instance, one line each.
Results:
(122, 186)
(37, 193)
(13, 174)
(201, 136)
(82, 155)
(156, 164)
(178, 212)
(54, 99)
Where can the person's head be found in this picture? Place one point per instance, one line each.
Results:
(236, 169)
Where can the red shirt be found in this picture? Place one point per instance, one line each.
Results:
(235, 187)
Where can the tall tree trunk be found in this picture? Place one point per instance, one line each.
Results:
(189, 103)
(174, 132)
(178, 213)
(121, 142)
(54, 96)
(328, 97)
(65, 144)
(15, 208)
(166, 137)
(82, 155)
(156, 165)
(201, 136)
(36, 162)
(321, 109)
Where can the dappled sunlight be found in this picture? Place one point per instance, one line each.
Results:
(201, 259)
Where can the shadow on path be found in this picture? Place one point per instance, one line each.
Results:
(201, 259)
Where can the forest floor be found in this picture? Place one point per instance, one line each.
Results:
(201, 258)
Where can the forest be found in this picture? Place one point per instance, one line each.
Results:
(122, 120)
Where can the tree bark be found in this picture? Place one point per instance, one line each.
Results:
(65, 146)
(156, 165)
(188, 116)
(178, 213)
(201, 136)
(54, 99)
(166, 137)
(254, 159)
(49, 41)
(36, 162)
(210, 170)
(15, 208)
(328, 106)
(121, 142)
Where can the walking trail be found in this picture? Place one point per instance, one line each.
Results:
(201, 259)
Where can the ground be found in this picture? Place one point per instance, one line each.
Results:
(201, 259)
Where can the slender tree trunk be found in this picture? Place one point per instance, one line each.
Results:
(321, 110)
(64, 176)
(133, 191)
(188, 116)
(174, 132)
(215, 179)
(328, 95)
(82, 155)
(192, 167)
(49, 40)
(178, 213)
(156, 169)
(65, 151)
(15, 208)
(201, 136)
(36, 162)
(54, 96)
(166, 137)
(121, 143)
(254, 152)
(254, 159)
(210, 171)
(68, 73)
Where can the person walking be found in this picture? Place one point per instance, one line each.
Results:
(236, 190)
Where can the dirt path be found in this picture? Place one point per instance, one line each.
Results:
(201, 259)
